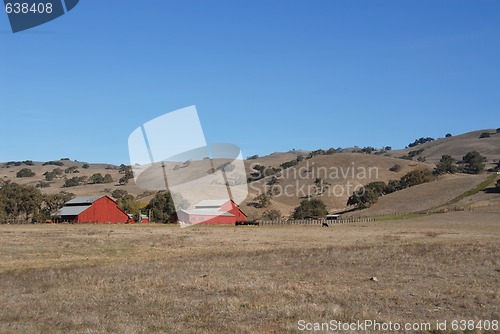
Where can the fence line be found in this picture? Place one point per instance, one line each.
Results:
(316, 221)
(14, 221)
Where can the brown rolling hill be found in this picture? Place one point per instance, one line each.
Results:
(9, 173)
(331, 178)
(457, 147)
(422, 197)
(340, 173)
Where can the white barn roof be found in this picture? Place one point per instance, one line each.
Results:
(72, 210)
(84, 199)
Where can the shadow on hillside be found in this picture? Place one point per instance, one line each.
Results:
(491, 190)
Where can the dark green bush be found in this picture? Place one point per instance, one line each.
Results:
(25, 172)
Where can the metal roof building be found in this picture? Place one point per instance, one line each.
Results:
(91, 209)
(223, 211)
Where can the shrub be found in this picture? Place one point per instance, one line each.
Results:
(415, 177)
(485, 135)
(262, 200)
(367, 150)
(261, 172)
(474, 162)
(253, 157)
(49, 176)
(448, 135)
(162, 208)
(119, 193)
(129, 204)
(17, 201)
(43, 184)
(498, 185)
(123, 168)
(379, 187)
(363, 198)
(71, 170)
(413, 154)
(289, 164)
(420, 141)
(25, 172)
(321, 185)
(446, 165)
(314, 153)
(96, 178)
(128, 175)
(108, 178)
(396, 168)
(331, 150)
(53, 163)
(123, 180)
(273, 181)
(392, 186)
(85, 166)
(310, 209)
(272, 214)
(74, 181)
(498, 130)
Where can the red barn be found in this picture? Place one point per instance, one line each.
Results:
(91, 209)
(223, 211)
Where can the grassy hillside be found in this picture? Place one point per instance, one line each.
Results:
(458, 146)
(329, 177)
(341, 173)
(9, 173)
(423, 196)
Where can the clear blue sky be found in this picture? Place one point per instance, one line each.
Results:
(267, 75)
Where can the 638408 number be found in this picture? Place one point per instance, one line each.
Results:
(25, 8)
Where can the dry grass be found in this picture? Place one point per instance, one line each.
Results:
(154, 278)
(458, 146)
(57, 185)
(298, 182)
(423, 196)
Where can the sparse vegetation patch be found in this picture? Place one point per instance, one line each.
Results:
(25, 172)
(369, 194)
(421, 140)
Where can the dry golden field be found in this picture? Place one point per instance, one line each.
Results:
(216, 279)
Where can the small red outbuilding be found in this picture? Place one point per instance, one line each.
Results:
(91, 209)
